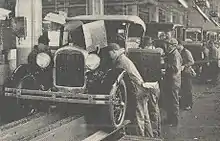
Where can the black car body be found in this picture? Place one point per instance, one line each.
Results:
(80, 74)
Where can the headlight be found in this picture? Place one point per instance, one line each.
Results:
(92, 61)
(43, 60)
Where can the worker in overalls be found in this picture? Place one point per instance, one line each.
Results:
(187, 74)
(154, 93)
(214, 61)
(172, 79)
(142, 120)
(43, 46)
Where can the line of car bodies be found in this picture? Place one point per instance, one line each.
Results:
(78, 72)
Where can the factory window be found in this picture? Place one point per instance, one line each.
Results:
(72, 2)
(182, 19)
(168, 16)
(76, 11)
(145, 15)
(115, 10)
(162, 15)
(61, 3)
(174, 18)
(48, 2)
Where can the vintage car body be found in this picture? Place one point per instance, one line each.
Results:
(207, 35)
(82, 74)
(214, 33)
(154, 29)
(193, 41)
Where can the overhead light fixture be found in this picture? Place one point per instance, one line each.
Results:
(208, 4)
(55, 18)
(184, 3)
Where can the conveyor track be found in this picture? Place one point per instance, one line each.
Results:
(54, 127)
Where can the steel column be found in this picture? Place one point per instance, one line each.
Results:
(95, 7)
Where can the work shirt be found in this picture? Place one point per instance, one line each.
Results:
(173, 68)
(213, 53)
(126, 64)
(187, 57)
(206, 53)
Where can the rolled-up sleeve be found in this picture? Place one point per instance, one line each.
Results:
(189, 59)
(175, 63)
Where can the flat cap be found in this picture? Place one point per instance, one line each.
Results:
(172, 41)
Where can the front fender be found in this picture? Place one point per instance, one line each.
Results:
(18, 74)
(112, 77)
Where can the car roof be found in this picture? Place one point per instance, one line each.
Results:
(126, 18)
(194, 29)
(163, 25)
(213, 30)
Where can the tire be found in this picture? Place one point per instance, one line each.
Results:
(27, 82)
(104, 115)
(15, 110)
(118, 109)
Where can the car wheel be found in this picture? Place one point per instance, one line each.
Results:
(117, 108)
(27, 82)
(113, 114)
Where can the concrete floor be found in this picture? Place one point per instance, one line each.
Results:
(202, 123)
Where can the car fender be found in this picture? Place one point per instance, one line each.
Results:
(18, 74)
(113, 77)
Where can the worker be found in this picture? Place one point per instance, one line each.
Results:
(187, 74)
(154, 93)
(43, 46)
(162, 36)
(205, 66)
(172, 81)
(160, 43)
(141, 120)
(213, 57)
(147, 43)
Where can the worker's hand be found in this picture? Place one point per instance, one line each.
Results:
(163, 71)
(208, 64)
(150, 85)
(182, 68)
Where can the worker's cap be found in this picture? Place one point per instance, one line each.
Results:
(115, 51)
(43, 39)
(162, 34)
(172, 41)
(113, 46)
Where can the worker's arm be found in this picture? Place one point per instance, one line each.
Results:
(175, 64)
(190, 60)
